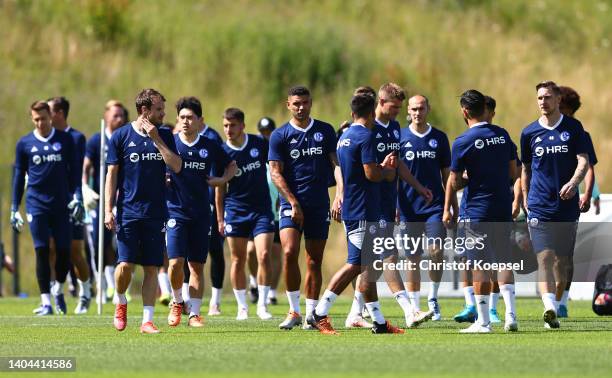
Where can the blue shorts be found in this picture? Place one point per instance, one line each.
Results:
(487, 241)
(355, 233)
(316, 221)
(78, 232)
(559, 237)
(216, 240)
(188, 239)
(247, 223)
(429, 225)
(53, 224)
(141, 241)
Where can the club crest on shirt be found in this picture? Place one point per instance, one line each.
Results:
(433, 143)
(396, 133)
(203, 153)
(318, 136)
(254, 152)
(56, 146)
(565, 136)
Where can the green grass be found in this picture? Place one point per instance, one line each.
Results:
(255, 348)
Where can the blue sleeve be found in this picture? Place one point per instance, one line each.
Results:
(591, 149)
(75, 169)
(222, 159)
(581, 142)
(114, 149)
(445, 152)
(368, 152)
(81, 144)
(19, 171)
(457, 158)
(330, 141)
(168, 139)
(525, 148)
(513, 150)
(91, 150)
(276, 141)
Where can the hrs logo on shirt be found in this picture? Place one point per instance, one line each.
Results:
(480, 143)
(150, 156)
(343, 143)
(37, 159)
(311, 151)
(539, 151)
(200, 166)
(387, 146)
(410, 155)
(247, 168)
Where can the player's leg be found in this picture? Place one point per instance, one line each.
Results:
(494, 299)
(564, 265)
(152, 239)
(81, 267)
(164, 283)
(543, 241)
(290, 242)
(369, 277)
(435, 229)
(176, 245)
(355, 317)
(237, 247)
(196, 292)
(128, 250)
(316, 229)
(276, 265)
(252, 263)
(217, 267)
(61, 230)
(263, 246)
(39, 228)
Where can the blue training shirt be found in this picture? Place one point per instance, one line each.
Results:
(92, 152)
(357, 147)
(249, 187)
(484, 151)
(552, 151)
(387, 140)
(305, 157)
(188, 196)
(141, 179)
(425, 155)
(52, 168)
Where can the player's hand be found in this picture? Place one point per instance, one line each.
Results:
(448, 219)
(297, 216)
(77, 212)
(90, 197)
(584, 203)
(568, 191)
(109, 220)
(16, 221)
(221, 227)
(425, 193)
(336, 210)
(390, 161)
(149, 128)
(516, 209)
(597, 206)
(215, 181)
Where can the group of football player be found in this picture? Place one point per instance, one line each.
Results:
(175, 193)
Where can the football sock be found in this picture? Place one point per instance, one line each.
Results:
(194, 306)
(507, 291)
(327, 300)
(294, 301)
(147, 314)
(493, 298)
(374, 310)
(433, 290)
(241, 298)
(468, 293)
(415, 298)
(482, 306)
(263, 295)
(402, 299)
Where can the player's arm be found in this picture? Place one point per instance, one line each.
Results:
(90, 197)
(172, 160)
(518, 198)
(220, 207)
(378, 172)
(453, 184)
(445, 172)
(569, 190)
(336, 210)
(408, 177)
(525, 182)
(276, 173)
(19, 172)
(110, 190)
(589, 184)
(228, 174)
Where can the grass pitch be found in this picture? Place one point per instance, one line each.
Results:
(254, 348)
